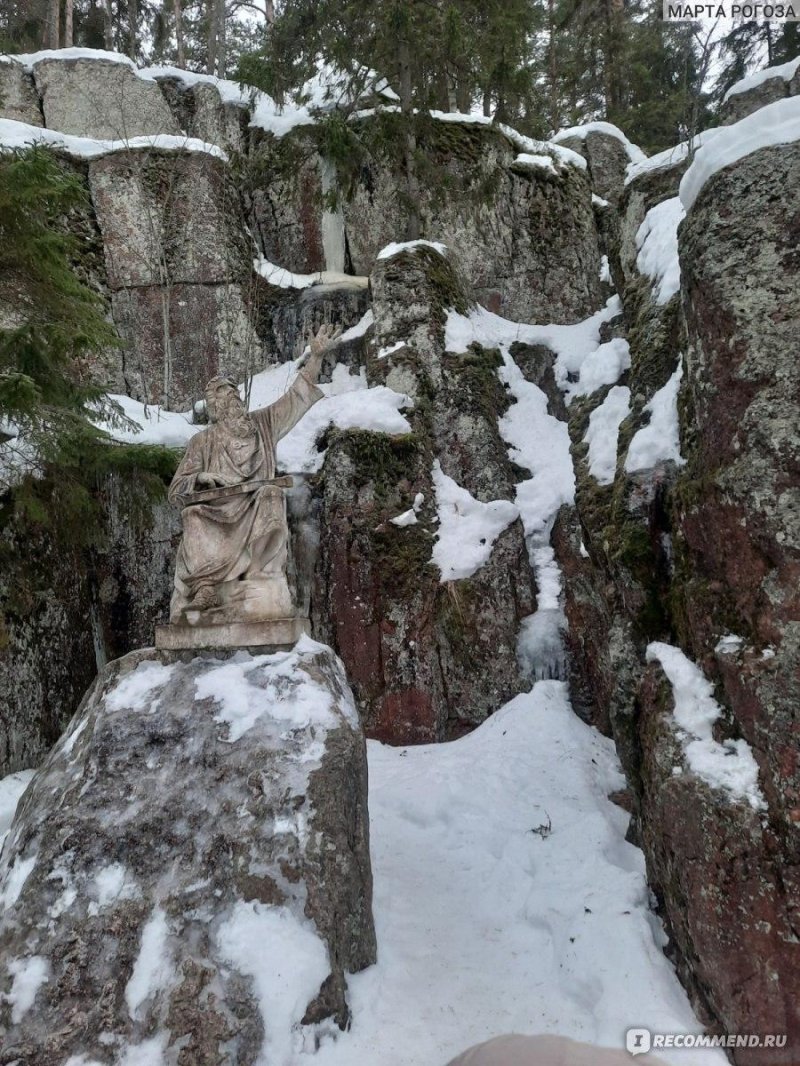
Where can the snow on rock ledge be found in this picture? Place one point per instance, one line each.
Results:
(776, 124)
(757, 90)
(729, 765)
(23, 135)
(190, 867)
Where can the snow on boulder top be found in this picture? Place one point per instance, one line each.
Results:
(538, 162)
(266, 113)
(670, 157)
(229, 91)
(21, 135)
(30, 59)
(786, 71)
(522, 143)
(776, 124)
(410, 246)
(635, 154)
(325, 90)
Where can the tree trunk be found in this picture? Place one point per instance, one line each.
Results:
(211, 37)
(133, 15)
(413, 224)
(108, 26)
(463, 94)
(179, 47)
(52, 30)
(68, 34)
(612, 58)
(269, 11)
(552, 68)
(221, 38)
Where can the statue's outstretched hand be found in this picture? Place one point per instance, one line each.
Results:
(319, 343)
(326, 336)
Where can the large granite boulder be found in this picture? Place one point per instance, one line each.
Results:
(100, 97)
(168, 216)
(717, 864)
(428, 657)
(200, 110)
(757, 90)
(18, 99)
(607, 152)
(518, 219)
(188, 875)
(703, 555)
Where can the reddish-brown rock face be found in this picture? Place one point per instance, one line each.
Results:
(691, 555)
(427, 660)
(718, 867)
(729, 878)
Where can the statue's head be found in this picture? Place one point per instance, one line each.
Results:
(222, 399)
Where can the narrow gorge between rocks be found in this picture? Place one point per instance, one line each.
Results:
(545, 522)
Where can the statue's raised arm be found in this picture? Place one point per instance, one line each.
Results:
(231, 564)
(285, 413)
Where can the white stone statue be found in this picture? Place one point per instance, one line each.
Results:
(231, 565)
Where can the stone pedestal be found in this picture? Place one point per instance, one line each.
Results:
(269, 633)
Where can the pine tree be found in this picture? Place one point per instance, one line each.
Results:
(621, 62)
(51, 321)
(434, 54)
(750, 46)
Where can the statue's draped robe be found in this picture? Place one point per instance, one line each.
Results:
(244, 534)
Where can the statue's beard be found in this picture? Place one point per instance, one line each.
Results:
(236, 420)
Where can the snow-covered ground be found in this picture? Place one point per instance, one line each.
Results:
(486, 922)
(506, 898)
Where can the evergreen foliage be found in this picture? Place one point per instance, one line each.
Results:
(51, 323)
(748, 46)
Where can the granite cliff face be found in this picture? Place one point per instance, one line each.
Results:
(699, 549)
(379, 598)
(657, 567)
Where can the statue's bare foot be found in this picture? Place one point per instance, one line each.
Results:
(205, 597)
